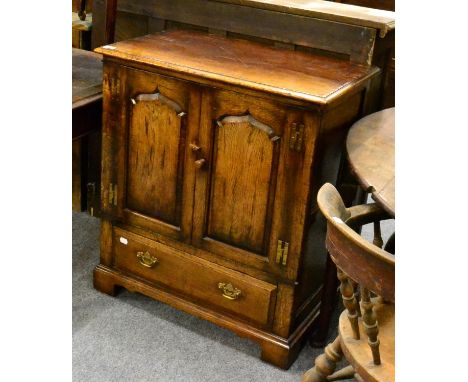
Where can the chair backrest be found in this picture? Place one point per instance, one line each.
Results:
(363, 262)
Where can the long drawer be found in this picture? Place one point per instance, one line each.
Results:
(198, 279)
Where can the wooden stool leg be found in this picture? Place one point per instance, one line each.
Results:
(369, 321)
(325, 364)
(349, 301)
(327, 305)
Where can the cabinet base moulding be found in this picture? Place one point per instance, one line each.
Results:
(276, 350)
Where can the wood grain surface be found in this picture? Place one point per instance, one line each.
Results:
(153, 160)
(240, 185)
(289, 73)
(371, 152)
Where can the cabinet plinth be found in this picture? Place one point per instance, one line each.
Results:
(213, 150)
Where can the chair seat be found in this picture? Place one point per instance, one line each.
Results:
(358, 352)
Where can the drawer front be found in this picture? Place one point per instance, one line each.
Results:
(210, 284)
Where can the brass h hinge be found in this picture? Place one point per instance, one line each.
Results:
(112, 194)
(297, 137)
(282, 252)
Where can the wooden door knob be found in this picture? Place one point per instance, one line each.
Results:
(200, 163)
(194, 147)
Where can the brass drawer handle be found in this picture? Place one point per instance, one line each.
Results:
(229, 291)
(146, 259)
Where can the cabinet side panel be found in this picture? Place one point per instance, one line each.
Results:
(327, 162)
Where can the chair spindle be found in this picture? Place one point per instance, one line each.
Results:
(370, 323)
(357, 296)
(349, 301)
(378, 241)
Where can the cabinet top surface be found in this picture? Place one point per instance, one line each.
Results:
(252, 65)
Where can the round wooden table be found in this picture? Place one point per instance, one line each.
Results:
(371, 153)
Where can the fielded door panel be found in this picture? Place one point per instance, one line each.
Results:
(160, 116)
(240, 193)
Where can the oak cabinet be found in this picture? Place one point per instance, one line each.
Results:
(213, 150)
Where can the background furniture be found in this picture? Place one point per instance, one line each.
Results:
(86, 113)
(388, 92)
(86, 133)
(370, 146)
(82, 22)
(366, 265)
(213, 151)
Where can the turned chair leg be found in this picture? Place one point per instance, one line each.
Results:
(369, 321)
(350, 302)
(325, 363)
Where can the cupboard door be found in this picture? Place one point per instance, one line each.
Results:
(241, 149)
(158, 185)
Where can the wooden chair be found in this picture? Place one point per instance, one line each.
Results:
(366, 271)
